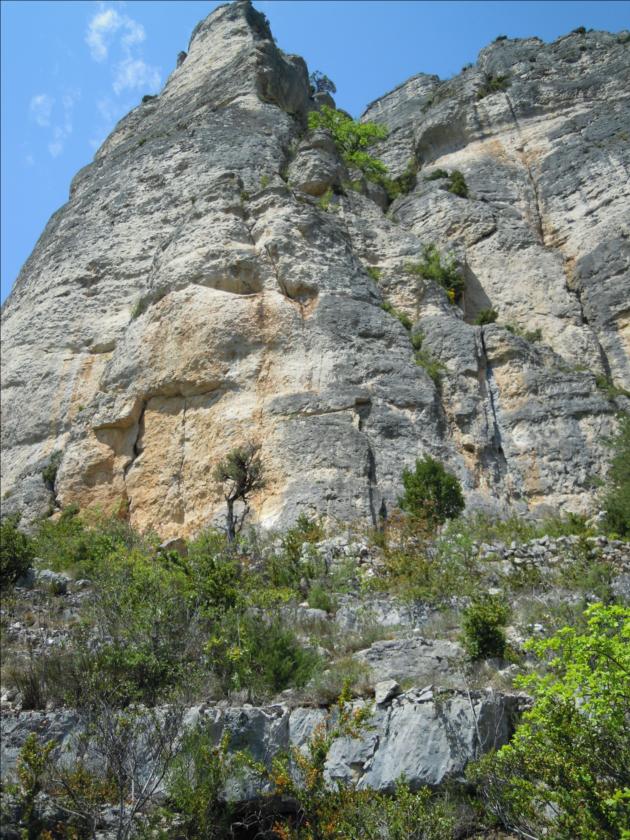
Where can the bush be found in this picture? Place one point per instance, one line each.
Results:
(617, 498)
(352, 139)
(49, 473)
(402, 184)
(72, 543)
(529, 335)
(436, 175)
(486, 316)
(263, 658)
(483, 625)
(431, 492)
(492, 84)
(196, 785)
(566, 773)
(458, 185)
(16, 552)
(434, 367)
(447, 274)
(319, 598)
(320, 83)
(404, 319)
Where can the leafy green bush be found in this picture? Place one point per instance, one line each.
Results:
(566, 772)
(319, 598)
(214, 574)
(483, 625)
(49, 473)
(605, 384)
(264, 658)
(434, 367)
(431, 492)
(458, 185)
(529, 335)
(436, 175)
(417, 567)
(196, 785)
(486, 316)
(352, 139)
(375, 273)
(492, 84)
(447, 274)
(16, 552)
(326, 199)
(403, 183)
(617, 498)
(76, 544)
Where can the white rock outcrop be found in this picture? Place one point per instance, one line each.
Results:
(193, 294)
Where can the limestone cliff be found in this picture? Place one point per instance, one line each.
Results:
(194, 293)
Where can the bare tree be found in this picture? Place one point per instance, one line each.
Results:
(240, 473)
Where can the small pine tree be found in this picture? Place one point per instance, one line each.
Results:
(432, 492)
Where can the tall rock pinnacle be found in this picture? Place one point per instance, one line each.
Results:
(195, 294)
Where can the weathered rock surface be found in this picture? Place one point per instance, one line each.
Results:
(427, 736)
(193, 294)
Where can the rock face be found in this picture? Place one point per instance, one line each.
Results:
(194, 294)
(425, 736)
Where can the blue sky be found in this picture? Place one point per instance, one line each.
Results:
(70, 70)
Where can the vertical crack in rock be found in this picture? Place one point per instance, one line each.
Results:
(492, 393)
(363, 408)
(136, 450)
(532, 181)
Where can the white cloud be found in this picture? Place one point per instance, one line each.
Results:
(41, 108)
(104, 25)
(63, 129)
(109, 30)
(135, 73)
(100, 29)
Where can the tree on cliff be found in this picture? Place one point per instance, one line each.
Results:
(240, 474)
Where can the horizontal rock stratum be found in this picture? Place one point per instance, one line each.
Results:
(195, 294)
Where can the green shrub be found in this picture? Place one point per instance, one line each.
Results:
(403, 183)
(492, 84)
(605, 384)
(196, 785)
(436, 175)
(72, 543)
(565, 773)
(434, 367)
(352, 139)
(325, 199)
(49, 473)
(263, 658)
(16, 552)
(446, 273)
(529, 335)
(319, 598)
(458, 185)
(486, 316)
(483, 624)
(265, 180)
(404, 319)
(617, 498)
(375, 273)
(215, 575)
(431, 492)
